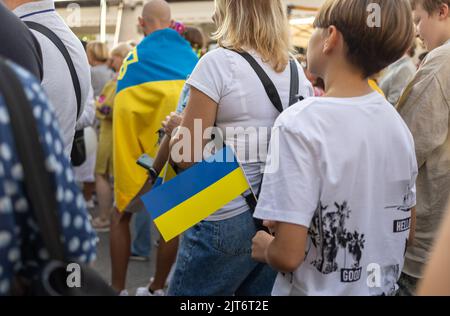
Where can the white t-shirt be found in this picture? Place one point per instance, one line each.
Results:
(347, 171)
(57, 81)
(228, 79)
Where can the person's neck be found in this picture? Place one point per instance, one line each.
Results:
(152, 28)
(445, 37)
(97, 63)
(13, 4)
(343, 83)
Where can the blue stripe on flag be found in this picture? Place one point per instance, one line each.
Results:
(190, 182)
(158, 182)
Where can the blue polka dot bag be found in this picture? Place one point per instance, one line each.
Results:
(57, 277)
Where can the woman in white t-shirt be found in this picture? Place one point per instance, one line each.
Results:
(214, 256)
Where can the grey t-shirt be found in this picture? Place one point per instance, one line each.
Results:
(425, 107)
(57, 81)
(397, 77)
(100, 75)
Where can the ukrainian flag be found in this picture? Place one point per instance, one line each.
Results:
(148, 89)
(195, 194)
(166, 174)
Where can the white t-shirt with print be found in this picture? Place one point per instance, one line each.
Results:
(347, 171)
(228, 79)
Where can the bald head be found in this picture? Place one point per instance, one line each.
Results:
(155, 16)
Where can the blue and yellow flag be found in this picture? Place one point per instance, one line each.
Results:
(166, 174)
(148, 89)
(195, 194)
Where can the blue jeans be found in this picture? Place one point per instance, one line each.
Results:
(141, 244)
(214, 259)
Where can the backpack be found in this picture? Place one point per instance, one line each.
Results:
(78, 154)
(52, 278)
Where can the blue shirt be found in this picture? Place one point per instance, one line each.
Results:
(21, 247)
(184, 98)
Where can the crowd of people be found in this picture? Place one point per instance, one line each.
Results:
(352, 182)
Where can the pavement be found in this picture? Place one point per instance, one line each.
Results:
(138, 273)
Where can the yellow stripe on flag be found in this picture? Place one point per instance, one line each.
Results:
(202, 205)
(170, 173)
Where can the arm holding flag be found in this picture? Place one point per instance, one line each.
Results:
(195, 194)
(161, 163)
(205, 186)
(200, 107)
(158, 165)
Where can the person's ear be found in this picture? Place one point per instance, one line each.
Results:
(141, 22)
(331, 39)
(444, 12)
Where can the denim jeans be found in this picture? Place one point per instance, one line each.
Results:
(141, 244)
(214, 259)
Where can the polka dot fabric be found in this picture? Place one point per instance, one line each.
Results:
(21, 248)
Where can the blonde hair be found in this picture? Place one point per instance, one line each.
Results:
(261, 25)
(370, 48)
(121, 50)
(97, 50)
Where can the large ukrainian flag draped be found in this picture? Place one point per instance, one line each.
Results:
(195, 194)
(149, 85)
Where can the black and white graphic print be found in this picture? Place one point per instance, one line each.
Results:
(407, 203)
(384, 280)
(402, 224)
(337, 248)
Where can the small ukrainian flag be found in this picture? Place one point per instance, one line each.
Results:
(166, 174)
(195, 194)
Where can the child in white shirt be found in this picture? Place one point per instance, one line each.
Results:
(340, 202)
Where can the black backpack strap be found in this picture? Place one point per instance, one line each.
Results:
(62, 48)
(38, 186)
(270, 88)
(251, 198)
(293, 95)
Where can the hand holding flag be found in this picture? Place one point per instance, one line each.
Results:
(195, 194)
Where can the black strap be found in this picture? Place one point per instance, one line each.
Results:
(274, 97)
(293, 94)
(39, 57)
(62, 48)
(269, 86)
(251, 199)
(39, 189)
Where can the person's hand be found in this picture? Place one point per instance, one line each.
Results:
(260, 243)
(105, 110)
(271, 225)
(171, 122)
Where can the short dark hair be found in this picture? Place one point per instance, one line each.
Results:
(370, 48)
(194, 36)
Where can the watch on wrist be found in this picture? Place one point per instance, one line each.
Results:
(153, 174)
